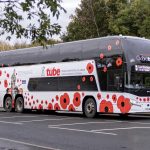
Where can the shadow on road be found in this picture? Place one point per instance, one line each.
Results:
(99, 116)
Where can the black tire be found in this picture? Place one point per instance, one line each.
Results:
(89, 108)
(19, 105)
(8, 104)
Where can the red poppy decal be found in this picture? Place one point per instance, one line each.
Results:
(114, 98)
(101, 55)
(107, 96)
(106, 107)
(77, 99)
(50, 106)
(5, 83)
(99, 96)
(0, 73)
(90, 68)
(78, 87)
(83, 94)
(56, 106)
(57, 97)
(119, 61)
(71, 108)
(64, 100)
(83, 79)
(109, 48)
(105, 69)
(40, 107)
(124, 104)
(91, 79)
(7, 75)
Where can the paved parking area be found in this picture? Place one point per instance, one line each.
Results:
(64, 131)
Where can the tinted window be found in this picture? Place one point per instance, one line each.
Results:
(110, 73)
(72, 83)
(43, 84)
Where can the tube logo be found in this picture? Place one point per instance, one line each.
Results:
(52, 72)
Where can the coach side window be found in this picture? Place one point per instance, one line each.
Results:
(66, 83)
(110, 76)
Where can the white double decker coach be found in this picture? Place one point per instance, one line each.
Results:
(102, 75)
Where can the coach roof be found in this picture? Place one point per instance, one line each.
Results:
(84, 49)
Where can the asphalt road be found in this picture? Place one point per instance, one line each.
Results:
(33, 131)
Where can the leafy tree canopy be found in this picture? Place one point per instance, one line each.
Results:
(30, 19)
(95, 18)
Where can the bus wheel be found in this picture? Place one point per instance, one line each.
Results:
(19, 105)
(8, 104)
(89, 108)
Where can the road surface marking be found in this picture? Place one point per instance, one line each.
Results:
(114, 129)
(46, 120)
(6, 122)
(17, 117)
(86, 131)
(137, 122)
(83, 123)
(28, 144)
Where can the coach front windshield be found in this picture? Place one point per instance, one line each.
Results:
(137, 52)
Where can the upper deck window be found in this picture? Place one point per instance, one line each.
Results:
(137, 51)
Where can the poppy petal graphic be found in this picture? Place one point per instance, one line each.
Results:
(124, 104)
(90, 68)
(77, 99)
(106, 107)
(56, 106)
(119, 61)
(71, 107)
(50, 106)
(64, 100)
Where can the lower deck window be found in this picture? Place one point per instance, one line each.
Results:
(71, 83)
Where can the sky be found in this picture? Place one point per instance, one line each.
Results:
(70, 6)
(64, 19)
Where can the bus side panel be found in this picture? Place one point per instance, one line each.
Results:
(70, 83)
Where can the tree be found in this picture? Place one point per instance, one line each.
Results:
(35, 14)
(89, 21)
(96, 18)
(92, 19)
(133, 20)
